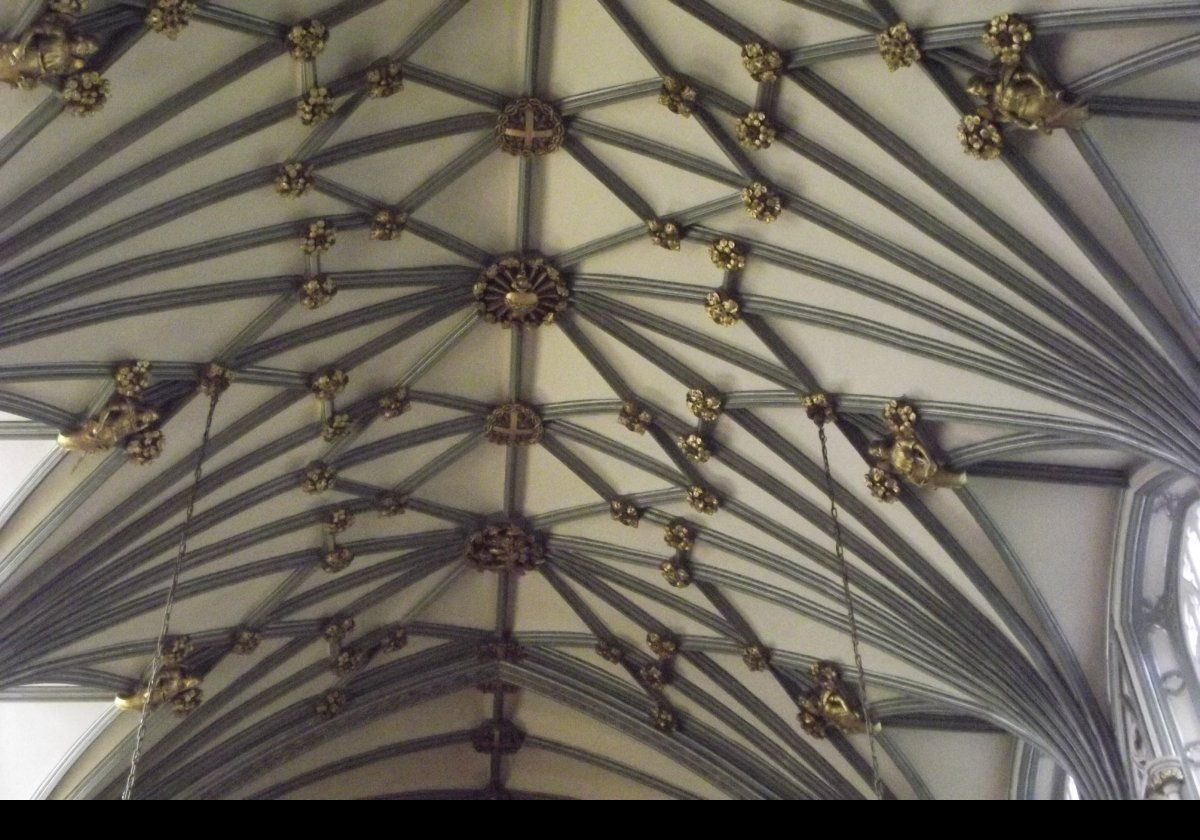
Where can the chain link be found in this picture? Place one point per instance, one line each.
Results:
(156, 662)
(841, 556)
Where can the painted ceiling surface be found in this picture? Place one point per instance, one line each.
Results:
(346, 264)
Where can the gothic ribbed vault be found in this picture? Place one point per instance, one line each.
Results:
(1039, 309)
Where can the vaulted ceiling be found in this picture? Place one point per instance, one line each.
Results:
(1039, 309)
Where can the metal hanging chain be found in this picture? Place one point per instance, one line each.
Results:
(156, 663)
(841, 556)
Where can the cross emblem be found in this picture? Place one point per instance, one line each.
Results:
(514, 423)
(529, 127)
(529, 132)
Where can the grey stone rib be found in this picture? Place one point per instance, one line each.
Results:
(1133, 66)
(533, 48)
(603, 763)
(32, 198)
(393, 138)
(455, 87)
(1045, 23)
(1184, 299)
(259, 324)
(568, 106)
(239, 21)
(438, 351)
(1155, 109)
(30, 11)
(720, 22)
(1104, 324)
(440, 462)
(448, 241)
(365, 759)
(682, 160)
(906, 767)
(737, 156)
(449, 173)
(382, 343)
(844, 12)
(637, 35)
(428, 27)
(626, 194)
(30, 126)
(579, 467)
(1169, 341)
(524, 203)
(1053, 473)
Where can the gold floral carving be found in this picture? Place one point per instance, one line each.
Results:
(679, 536)
(318, 477)
(294, 179)
(396, 638)
(394, 402)
(85, 92)
(319, 238)
(330, 704)
(337, 559)
(390, 503)
(215, 379)
(819, 408)
(528, 127)
(513, 423)
(676, 571)
(761, 202)
(505, 547)
(705, 405)
(610, 650)
(898, 47)
(386, 224)
(1007, 36)
(123, 420)
(663, 645)
(49, 49)
(306, 39)
(338, 425)
(762, 62)
(695, 446)
(522, 290)
(327, 384)
(663, 719)
(664, 233)
(246, 641)
(169, 17)
(723, 307)
(755, 131)
(654, 676)
(827, 706)
(338, 520)
(317, 290)
(635, 418)
(314, 106)
(677, 95)
(625, 512)
(385, 79)
(703, 499)
(338, 628)
(901, 457)
(145, 446)
(727, 254)
(756, 657)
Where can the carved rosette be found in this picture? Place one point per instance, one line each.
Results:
(338, 520)
(703, 499)
(502, 650)
(755, 131)
(318, 477)
(348, 661)
(723, 307)
(625, 512)
(513, 423)
(122, 420)
(85, 92)
(306, 39)
(390, 503)
(327, 384)
(663, 719)
(320, 237)
(528, 127)
(654, 676)
(756, 657)
(677, 96)
(338, 425)
(883, 485)
(762, 62)
(145, 446)
(902, 457)
(635, 418)
(1007, 36)
(314, 106)
(386, 225)
(898, 47)
(215, 379)
(695, 446)
(337, 559)
(900, 416)
(980, 137)
(246, 641)
(331, 704)
(522, 290)
(394, 402)
(761, 202)
(705, 405)
(505, 547)
(395, 639)
(664, 233)
(317, 290)
(337, 628)
(679, 536)
(827, 706)
(385, 79)
(610, 650)
(819, 408)
(497, 736)
(169, 17)
(663, 645)
(727, 254)
(676, 571)
(294, 179)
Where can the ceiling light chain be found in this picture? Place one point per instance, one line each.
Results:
(820, 411)
(157, 662)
